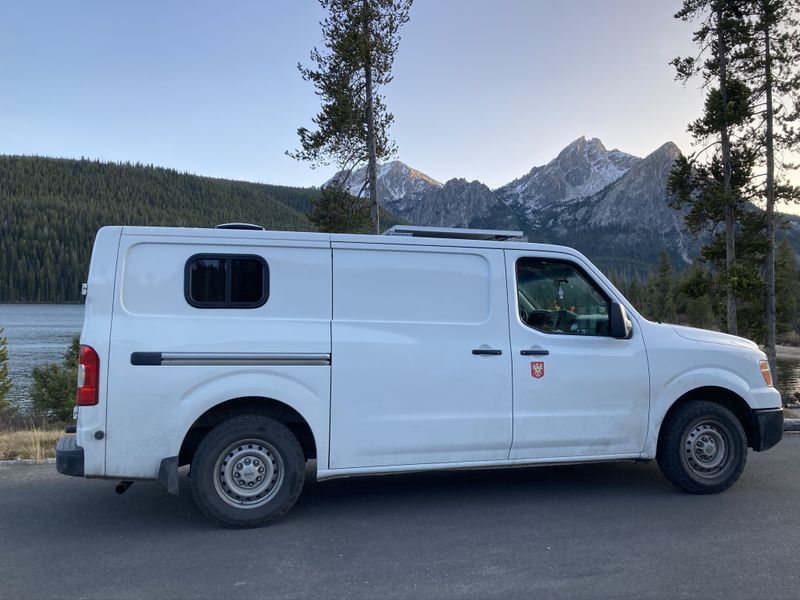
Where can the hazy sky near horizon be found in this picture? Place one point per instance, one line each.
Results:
(483, 89)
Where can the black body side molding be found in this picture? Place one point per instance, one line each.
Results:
(146, 359)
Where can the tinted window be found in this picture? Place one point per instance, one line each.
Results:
(208, 277)
(557, 297)
(226, 281)
(247, 280)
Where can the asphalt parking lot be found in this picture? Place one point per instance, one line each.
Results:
(613, 530)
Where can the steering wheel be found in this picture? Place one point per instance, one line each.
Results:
(523, 314)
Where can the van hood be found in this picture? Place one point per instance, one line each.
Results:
(713, 337)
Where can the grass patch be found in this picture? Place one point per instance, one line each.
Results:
(33, 443)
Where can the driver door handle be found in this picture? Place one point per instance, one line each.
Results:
(538, 352)
(487, 351)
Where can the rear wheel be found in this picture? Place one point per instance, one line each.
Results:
(247, 472)
(702, 448)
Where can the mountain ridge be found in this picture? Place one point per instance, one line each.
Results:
(51, 209)
(611, 205)
(582, 168)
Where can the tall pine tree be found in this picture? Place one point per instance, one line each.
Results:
(338, 211)
(787, 289)
(770, 61)
(361, 38)
(662, 291)
(711, 186)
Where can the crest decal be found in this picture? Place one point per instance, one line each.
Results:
(537, 370)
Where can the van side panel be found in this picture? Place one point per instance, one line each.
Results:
(151, 406)
(407, 387)
(95, 333)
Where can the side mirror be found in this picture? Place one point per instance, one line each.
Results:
(618, 322)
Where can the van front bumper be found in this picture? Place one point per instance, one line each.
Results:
(69, 456)
(769, 428)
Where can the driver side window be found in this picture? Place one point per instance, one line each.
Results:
(555, 296)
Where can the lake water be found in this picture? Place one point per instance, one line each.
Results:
(37, 334)
(41, 333)
(789, 376)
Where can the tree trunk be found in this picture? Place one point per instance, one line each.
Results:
(769, 266)
(372, 164)
(730, 213)
(730, 257)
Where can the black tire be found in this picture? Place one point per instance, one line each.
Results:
(702, 448)
(257, 451)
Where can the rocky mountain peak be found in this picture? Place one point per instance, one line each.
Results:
(636, 201)
(609, 204)
(668, 150)
(396, 181)
(582, 168)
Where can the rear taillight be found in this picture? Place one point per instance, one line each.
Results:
(88, 377)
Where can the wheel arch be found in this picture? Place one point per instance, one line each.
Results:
(723, 397)
(261, 405)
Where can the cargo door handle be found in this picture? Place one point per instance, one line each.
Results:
(536, 352)
(487, 352)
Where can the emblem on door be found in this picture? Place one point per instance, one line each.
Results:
(537, 370)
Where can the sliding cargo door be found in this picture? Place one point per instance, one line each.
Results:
(420, 352)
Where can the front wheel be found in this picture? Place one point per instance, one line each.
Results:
(702, 448)
(247, 472)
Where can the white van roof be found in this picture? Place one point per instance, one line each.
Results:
(405, 235)
(455, 233)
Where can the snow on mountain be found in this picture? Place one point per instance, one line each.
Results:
(458, 203)
(609, 204)
(581, 169)
(396, 181)
(629, 217)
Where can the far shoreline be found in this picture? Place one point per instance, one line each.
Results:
(787, 352)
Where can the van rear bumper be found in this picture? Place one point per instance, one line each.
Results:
(69, 456)
(769, 428)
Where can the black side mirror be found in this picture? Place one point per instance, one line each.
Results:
(619, 323)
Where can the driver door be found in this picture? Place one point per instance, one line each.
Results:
(578, 392)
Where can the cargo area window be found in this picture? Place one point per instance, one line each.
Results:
(226, 281)
(557, 297)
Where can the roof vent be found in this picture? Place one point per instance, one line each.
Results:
(456, 233)
(248, 226)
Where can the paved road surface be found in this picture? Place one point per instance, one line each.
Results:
(617, 530)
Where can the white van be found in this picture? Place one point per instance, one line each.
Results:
(245, 353)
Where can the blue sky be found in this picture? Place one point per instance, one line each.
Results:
(482, 90)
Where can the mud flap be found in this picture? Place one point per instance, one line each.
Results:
(168, 474)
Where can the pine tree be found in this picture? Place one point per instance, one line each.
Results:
(746, 277)
(662, 291)
(787, 289)
(634, 294)
(697, 287)
(50, 210)
(338, 211)
(712, 189)
(5, 379)
(361, 39)
(53, 391)
(770, 65)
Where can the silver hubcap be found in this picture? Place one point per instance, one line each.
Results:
(249, 473)
(705, 448)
